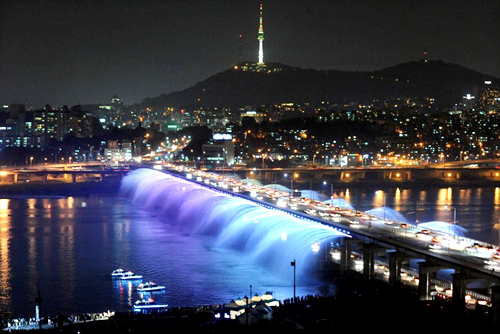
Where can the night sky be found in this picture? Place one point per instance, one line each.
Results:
(71, 52)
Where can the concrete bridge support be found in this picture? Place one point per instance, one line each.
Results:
(369, 260)
(459, 286)
(395, 261)
(426, 271)
(345, 255)
(495, 304)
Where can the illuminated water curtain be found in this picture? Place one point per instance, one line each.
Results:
(264, 236)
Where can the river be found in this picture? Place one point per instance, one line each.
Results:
(66, 247)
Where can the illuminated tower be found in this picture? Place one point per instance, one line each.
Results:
(261, 39)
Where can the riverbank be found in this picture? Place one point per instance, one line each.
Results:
(359, 305)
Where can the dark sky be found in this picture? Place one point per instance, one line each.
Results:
(80, 52)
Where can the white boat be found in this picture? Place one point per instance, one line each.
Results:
(118, 272)
(148, 305)
(129, 276)
(149, 286)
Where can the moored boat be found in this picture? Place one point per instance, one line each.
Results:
(129, 276)
(118, 272)
(149, 286)
(148, 306)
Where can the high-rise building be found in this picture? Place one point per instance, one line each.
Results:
(261, 40)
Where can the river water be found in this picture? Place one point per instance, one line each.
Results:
(66, 247)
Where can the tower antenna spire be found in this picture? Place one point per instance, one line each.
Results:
(261, 39)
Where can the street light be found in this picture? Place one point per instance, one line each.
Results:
(415, 212)
(294, 265)
(331, 190)
(449, 225)
(291, 185)
(291, 182)
(454, 217)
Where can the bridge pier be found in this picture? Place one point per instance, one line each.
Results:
(345, 255)
(73, 177)
(369, 260)
(459, 286)
(395, 261)
(425, 272)
(495, 304)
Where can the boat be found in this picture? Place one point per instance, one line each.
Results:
(118, 272)
(129, 276)
(149, 286)
(148, 306)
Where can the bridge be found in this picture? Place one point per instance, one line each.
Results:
(450, 172)
(380, 248)
(67, 173)
(485, 171)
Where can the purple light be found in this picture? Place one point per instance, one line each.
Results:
(233, 223)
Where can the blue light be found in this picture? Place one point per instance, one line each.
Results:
(229, 219)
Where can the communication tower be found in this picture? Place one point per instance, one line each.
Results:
(261, 40)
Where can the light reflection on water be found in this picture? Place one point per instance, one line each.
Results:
(475, 209)
(5, 261)
(66, 248)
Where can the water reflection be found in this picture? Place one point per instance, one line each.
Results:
(476, 209)
(125, 291)
(67, 247)
(378, 199)
(397, 198)
(5, 265)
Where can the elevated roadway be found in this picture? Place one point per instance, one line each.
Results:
(450, 172)
(69, 172)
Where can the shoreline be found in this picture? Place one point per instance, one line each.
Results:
(358, 304)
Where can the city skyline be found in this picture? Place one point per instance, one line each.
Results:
(69, 52)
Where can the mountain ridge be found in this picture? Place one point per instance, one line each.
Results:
(447, 83)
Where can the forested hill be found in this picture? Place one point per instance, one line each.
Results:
(447, 83)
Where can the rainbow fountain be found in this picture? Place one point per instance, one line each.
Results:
(267, 237)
